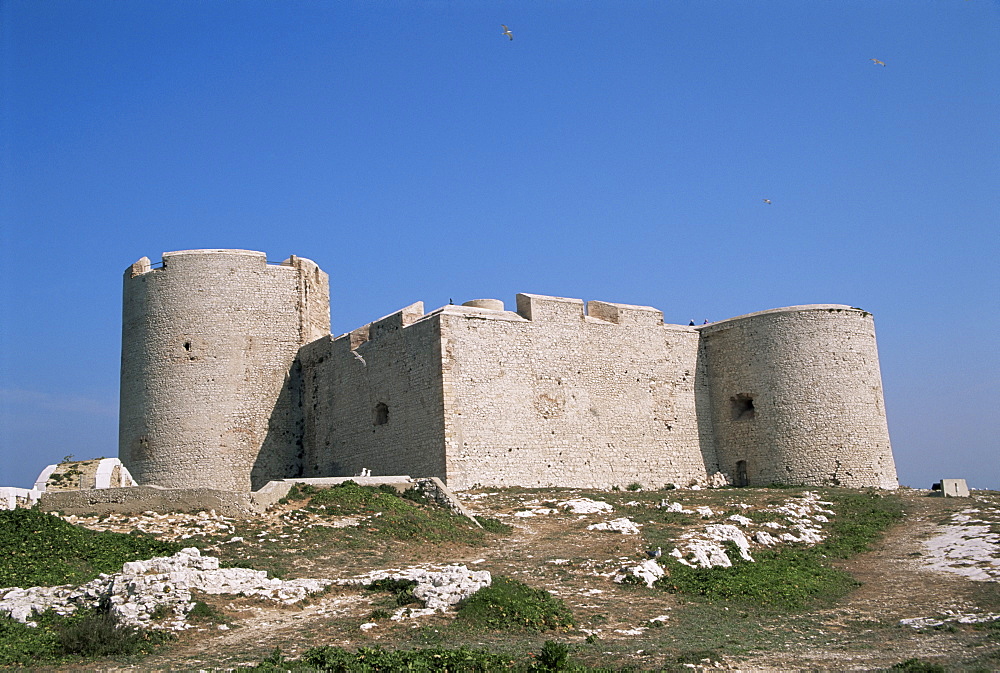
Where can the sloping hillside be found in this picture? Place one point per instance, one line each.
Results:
(810, 601)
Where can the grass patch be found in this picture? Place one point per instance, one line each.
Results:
(861, 518)
(43, 550)
(371, 659)
(793, 578)
(402, 589)
(495, 526)
(59, 639)
(203, 613)
(391, 516)
(787, 579)
(509, 604)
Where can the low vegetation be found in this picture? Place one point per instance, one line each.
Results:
(43, 550)
(85, 633)
(731, 614)
(372, 659)
(389, 514)
(511, 605)
(793, 578)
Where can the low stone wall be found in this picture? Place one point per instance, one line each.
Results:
(139, 499)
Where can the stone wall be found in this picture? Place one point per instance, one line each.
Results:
(207, 343)
(372, 399)
(549, 396)
(231, 379)
(796, 394)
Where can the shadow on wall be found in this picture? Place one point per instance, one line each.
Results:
(281, 453)
(703, 413)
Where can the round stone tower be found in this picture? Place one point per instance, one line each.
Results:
(796, 398)
(209, 341)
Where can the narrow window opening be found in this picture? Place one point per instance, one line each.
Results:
(187, 345)
(742, 407)
(381, 413)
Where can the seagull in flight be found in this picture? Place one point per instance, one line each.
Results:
(506, 31)
(767, 201)
(358, 356)
(877, 62)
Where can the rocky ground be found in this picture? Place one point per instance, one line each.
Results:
(927, 590)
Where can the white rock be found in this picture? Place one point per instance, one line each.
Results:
(648, 571)
(623, 526)
(586, 506)
(439, 589)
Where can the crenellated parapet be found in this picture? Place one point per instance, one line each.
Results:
(231, 378)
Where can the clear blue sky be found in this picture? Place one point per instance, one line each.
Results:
(616, 149)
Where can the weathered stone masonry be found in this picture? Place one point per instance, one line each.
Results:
(230, 378)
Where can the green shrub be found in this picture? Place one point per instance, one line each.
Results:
(553, 657)
(43, 550)
(298, 492)
(491, 525)
(85, 633)
(375, 659)
(399, 518)
(416, 495)
(203, 613)
(100, 635)
(402, 589)
(917, 666)
(509, 604)
(634, 486)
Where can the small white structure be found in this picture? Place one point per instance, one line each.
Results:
(12, 497)
(69, 476)
(954, 488)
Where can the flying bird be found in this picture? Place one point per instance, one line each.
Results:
(767, 201)
(358, 356)
(877, 62)
(506, 31)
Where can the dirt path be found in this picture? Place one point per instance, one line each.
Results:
(896, 585)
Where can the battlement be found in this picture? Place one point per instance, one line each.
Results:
(625, 314)
(787, 310)
(230, 377)
(184, 260)
(539, 307)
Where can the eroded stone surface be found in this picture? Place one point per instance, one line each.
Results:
(438, 588)
(162, 584)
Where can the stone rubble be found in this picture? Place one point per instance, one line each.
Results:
(803, 516)
(966, 546)
(647, 571)
(623, 526)
(161, 585)
(439, 589)
(586, 506)
(574, 506)
(949, 616)
(170, 527)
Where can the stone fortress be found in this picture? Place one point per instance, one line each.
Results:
(230, 379)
